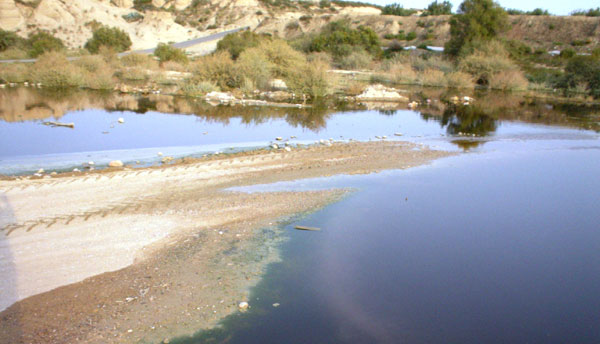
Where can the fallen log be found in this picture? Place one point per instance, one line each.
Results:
(58, 124)
(305, 228)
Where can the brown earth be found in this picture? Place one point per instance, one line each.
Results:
(142, 255)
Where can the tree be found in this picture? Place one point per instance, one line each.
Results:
(165, 53)
(42, 42)
(339, 39)
(9, 39)
(476, 22)
(110, 37)
(439, 8)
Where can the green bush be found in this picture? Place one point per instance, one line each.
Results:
(42, 42)
(357, 60)
(397, 10)
(218, 69)
(311, 79)
(165, 53)
(567, 53)
(411, 36)
(438, 8)
(236, 43)
(9, 39)
(255, 66)
(111, 37)
(477, 21)
(488, 60)
(338, 39)
(592, 12)
(582, 70)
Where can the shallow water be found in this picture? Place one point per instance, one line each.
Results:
(499, 244)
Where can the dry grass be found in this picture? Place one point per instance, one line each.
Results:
(432, 77)
(191, 88)
(14, 72)
(256, 68)
(312, 79)
(218, 68)
(511, 80)
(459, 80)
(356, 60)
(13, 54)
(139, 60)
(53, 70)
(173, 66)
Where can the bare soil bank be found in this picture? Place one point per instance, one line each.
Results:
(144, 255)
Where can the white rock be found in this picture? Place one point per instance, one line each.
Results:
(276, 304)
(278, 84)
(274, 146)
(76, 170)
(121, 120)
(381, 93)
(115, 163)
(41, 170)
(159, 153)
(398, 134)
(243, 305)
(279, 138)
(91, 163)
(288, 149)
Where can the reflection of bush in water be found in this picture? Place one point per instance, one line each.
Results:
(460, 119)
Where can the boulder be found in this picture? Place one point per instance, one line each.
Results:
(278, 84)
(219, 98)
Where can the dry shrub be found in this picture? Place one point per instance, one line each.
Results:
(512, 80)
(356, 60)
(320, 56)
(134, 74)
(52, 69)
(420, 64)
(96, 72)
(109, 55)
(91, 63)
(13, 54)
(403, 74)
(256, 68)
(311, 79)
(14, 72)
(139, 60)
(217, 68)
(490, 59)
(459, 80)
(191, 88)
(432, 77)
(355, 88)
(173, 66)
(284, 58)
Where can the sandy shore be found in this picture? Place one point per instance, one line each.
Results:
(143, 255)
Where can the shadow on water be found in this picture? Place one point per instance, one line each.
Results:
(8, 283)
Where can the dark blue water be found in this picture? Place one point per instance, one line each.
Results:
(501, 246)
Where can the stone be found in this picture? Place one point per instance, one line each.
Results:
(276, 304)
(381, 93)
(279, 138)
(243, 306)
(115, 163)
(41, 170)
(278, 84)
(121, 120)
(288, 149)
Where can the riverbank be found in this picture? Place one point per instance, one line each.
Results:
(142, 255)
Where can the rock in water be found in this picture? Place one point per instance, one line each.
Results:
(121, 120)
(243, 306)
(115, 163)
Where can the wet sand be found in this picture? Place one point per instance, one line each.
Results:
(126, 255)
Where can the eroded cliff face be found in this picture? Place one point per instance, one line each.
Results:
(180, 20)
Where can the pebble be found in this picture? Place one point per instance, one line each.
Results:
(288, 149)
(53, 173)
(115, 163)
(159, 154)
(41, 170)
(76, 170)
(398, 134)
(243, 305)
(274, 146)
(279, 138)
(276, 304)
(121, 120)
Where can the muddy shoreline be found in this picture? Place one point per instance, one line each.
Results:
(123, 255)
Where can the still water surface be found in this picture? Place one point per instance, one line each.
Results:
(499, 244)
